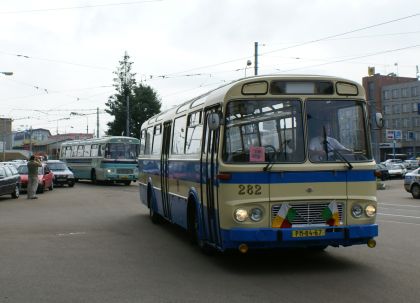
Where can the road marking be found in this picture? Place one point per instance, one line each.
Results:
(405, 205)
(72, 234)
(392, 215)
(390, 221)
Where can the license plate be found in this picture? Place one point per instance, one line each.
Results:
(124, 177)
(308, 233)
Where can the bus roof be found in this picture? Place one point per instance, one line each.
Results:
(105, 139)
(237, 89)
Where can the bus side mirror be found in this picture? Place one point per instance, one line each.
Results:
(379, 120)
(213, 121)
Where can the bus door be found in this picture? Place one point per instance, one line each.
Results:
(209, 191)
(164, 169)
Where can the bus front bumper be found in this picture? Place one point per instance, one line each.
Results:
(277, 238)
(119, 177)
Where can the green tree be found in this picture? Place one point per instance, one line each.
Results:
(143, 101)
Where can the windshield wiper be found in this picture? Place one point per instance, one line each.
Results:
(335, 151)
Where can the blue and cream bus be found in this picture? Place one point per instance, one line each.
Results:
(264, 162)
(111, 159)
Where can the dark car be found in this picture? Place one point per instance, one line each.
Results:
(62, 174)
(381, 171)
(45, 177)
(9, 181)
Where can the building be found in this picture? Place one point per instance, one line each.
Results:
(373, 85)
(5, 133)
(401, 112)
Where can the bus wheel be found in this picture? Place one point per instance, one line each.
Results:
(415, 191)
(195, 235)
(127, 183)
(154, 217)
(93, 177)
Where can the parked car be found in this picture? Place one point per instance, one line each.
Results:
(45, 177)
(381, 171)
(62, 174)
(396, 170)
(393, 161)
(411, 164)
(9, 180)
(412, 183)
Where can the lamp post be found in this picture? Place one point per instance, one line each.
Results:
(4, 122)
(87, 119)
(248, 63)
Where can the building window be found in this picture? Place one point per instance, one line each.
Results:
(404, 92)
(395, 93)
(387, 109)
(406, 108)
(396, 109)
(414, 92)
(405, 123)
(387, 95)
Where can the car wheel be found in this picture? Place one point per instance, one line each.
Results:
(16, 192)
(71, 184)
(41, 188)
(415, 191)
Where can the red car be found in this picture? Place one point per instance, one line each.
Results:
(45, 177)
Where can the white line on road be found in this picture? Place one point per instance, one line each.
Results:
(72, 234)
(392, 215)
(390, 221)
(405, 205)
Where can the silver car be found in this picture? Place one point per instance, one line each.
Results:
(62, 174)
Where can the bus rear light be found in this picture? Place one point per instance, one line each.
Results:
(224, 176)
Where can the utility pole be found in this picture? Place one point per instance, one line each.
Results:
(97, 122)
(127, 127)
(255, 58)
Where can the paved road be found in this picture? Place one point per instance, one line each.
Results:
(96, 244)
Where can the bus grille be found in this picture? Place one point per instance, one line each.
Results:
(124, 171)
(308, 213)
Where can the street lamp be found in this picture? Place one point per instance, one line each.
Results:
(248, 63)
(87, 119)
(4, 122)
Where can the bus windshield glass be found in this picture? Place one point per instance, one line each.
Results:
(337, 131)
(121, 151)
(263, 131)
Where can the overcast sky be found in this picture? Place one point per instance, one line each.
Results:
(63, 53)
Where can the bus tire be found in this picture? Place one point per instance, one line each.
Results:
(154, 217)
(93, 177)
(127, 183)
(193, 230)
(415, 191)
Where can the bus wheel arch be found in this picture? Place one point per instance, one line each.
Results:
(93, 176)
(153, 215)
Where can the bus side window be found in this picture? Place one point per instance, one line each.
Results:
(74, 151)
(178, 138)
(142, 141)
(148, 144)
(94, 150)
(80, 151)
(86, 152)
(157, 140)
(194, 133)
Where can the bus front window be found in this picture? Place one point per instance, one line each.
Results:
(337, 131)
(121, 151)
(263, 131)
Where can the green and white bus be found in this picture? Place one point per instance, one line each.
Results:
(111, 159)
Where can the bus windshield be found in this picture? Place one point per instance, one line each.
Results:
(121, 151)
(337, 131)
(263, 131)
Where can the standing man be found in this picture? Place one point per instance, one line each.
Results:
(33, 165)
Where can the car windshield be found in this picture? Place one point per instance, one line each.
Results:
(57, 166)
(396, 166)
(23, 170)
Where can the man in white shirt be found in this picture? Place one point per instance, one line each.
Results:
(319, 144)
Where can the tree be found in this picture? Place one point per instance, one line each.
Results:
(143, 101)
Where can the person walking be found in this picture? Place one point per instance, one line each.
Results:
(33, 165)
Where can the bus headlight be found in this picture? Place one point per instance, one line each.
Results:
(370, 210)
(241, 214)
(109, 170)
(357, 211)
(256, 214)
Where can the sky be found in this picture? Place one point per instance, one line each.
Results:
(63, 53)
